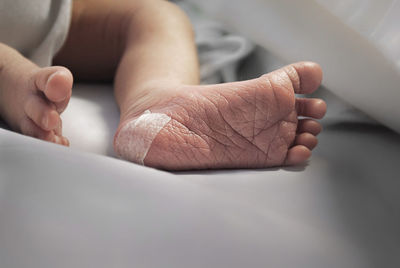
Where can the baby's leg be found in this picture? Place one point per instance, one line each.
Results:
(32, 98)
(237, 125)
(167, 121)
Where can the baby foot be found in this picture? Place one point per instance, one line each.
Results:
(33, 98)
(250, 124)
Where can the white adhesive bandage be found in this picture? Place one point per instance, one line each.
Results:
(135, 138)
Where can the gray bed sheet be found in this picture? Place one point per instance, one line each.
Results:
(62, 207)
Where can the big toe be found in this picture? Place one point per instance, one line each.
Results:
(56, 84)
(306, 76)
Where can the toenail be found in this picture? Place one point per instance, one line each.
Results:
(56, 95)
(52, 75)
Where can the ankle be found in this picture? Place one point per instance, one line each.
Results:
(147, 95)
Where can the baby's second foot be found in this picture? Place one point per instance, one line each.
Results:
(32, 99)
(249, 124)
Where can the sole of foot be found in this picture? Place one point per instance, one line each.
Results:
(248, 124)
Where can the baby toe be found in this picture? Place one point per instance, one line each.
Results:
(55, 82)
(306, 139)
(30, 128)
(41, 113)
(60, 140)
(309, 125)
(65, 141)
(297, 155)
(58, 133)
(315, 108)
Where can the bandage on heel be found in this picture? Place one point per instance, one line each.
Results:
(134, 139)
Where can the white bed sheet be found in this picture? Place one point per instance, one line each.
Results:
(63, 207)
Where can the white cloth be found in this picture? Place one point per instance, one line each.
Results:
(377, 21)
(36, 28)
(226, 56)
(356, 42)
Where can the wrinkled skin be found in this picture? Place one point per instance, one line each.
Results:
(250, 124)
